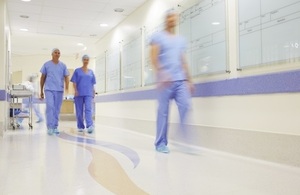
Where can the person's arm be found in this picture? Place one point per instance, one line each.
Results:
(154, 57)
(94, 83)
(75, 89)
(187, 73)
(163, 77)
(186, 68)
(42, 83)
(67, 81)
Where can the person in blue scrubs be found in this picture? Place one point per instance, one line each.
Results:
(83, 81)
(30, 85)
(173, 79)
(54, 75)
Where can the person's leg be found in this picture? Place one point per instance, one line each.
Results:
(57, 105)
(24, 112)
(36, 108)
(50, 111)
(164, 96)
(182, 97)
(88, 100)
(79, 111)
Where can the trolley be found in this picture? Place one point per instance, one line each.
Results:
(19, 92)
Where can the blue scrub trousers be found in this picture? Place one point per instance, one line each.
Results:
(53, 104)
(83, 105)
(177, 90)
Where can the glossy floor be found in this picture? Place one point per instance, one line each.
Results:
(118, 161)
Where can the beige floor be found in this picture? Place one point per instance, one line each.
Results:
(117, 161)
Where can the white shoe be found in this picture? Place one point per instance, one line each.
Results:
(90, 129)
(80, 130)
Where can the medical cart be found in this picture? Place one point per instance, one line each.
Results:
(16, 93)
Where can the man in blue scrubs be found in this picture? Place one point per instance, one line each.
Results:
(173, 80)
(83, 81)
(54, 75)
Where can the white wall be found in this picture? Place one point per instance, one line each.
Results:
(150, 14)
(30, 64)
(4, 48)
(275, 113)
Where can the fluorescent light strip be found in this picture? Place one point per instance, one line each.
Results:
(103, 25)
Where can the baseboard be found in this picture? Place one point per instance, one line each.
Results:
(277, 148)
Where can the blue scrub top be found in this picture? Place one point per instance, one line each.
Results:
(172, 48)
(84, 82)
(55, 74)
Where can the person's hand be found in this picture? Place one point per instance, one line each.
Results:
(163, 76)
(164, 79)
(42, 96)
(191, 87)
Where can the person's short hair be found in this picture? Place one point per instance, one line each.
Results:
(170, 12)
(55, 49)
(85, 57)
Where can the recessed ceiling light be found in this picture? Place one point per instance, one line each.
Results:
(80, 44)
(24, 16)
(26, 0)
(103, 25)
(216, 23)
(118, 9)
(24, 29)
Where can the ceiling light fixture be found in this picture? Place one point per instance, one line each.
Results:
(26, 0)
(103, 25)
(216, 23)
(118, 9)
(24, 29)
(80, 44)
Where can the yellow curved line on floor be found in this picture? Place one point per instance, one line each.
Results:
(107, 171)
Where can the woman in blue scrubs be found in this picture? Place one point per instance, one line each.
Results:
(83, 81)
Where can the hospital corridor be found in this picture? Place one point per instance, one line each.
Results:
(150, 97)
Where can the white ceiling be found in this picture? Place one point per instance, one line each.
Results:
(64, 24)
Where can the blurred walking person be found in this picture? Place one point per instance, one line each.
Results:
(173, 79)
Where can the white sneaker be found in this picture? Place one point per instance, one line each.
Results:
(56, 131)
(80, 130)
(90, 129)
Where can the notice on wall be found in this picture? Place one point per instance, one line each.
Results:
(113, 69)
(269, 31)
(132, 61)
(204, 27)
(100, 74)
